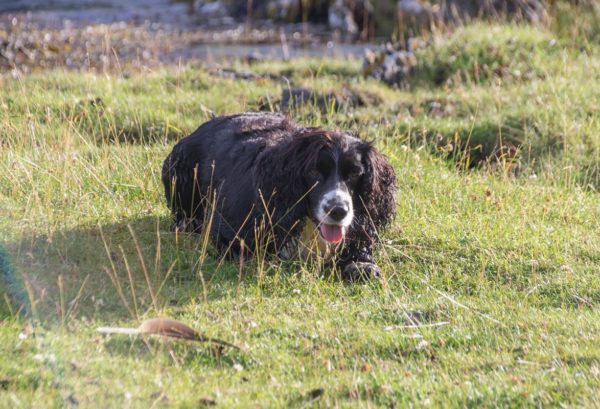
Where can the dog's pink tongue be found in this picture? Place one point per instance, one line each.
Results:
(332, 233)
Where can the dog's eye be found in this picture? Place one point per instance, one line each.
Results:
(354, 173)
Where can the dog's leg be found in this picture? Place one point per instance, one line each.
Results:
(356, 263)
(187, 225)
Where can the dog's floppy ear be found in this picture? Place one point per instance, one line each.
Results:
(280, 175)
(377, 188)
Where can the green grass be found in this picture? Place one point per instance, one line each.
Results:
(506, 262)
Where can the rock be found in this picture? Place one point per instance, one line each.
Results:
(298, 97)
(363, 13)
(347, 16)
(390, 65)
(350, 16)
(415, 15)
(237, 10)
(533, 11)
(283, 10)
(214, 13)
(210, 9)
(340, 17)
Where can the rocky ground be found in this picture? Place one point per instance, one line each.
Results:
(26, 45)
(73, 34)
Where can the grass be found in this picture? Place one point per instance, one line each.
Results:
(491, 296)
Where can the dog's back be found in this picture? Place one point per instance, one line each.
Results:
(217, 159)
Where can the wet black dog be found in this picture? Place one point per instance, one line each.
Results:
(309, 189)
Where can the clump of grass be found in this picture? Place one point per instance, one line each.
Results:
(480, 53)
(488, 119)
(577, 22)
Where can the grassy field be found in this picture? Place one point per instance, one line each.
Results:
(491, 294)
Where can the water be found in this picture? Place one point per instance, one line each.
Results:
(209, 52)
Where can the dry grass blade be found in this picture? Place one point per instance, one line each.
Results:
(416, 326)
(165, 327)
(144, 269)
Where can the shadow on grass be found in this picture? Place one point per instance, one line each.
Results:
(121, 270)
(508, 144)
(126, 271)
(185, 354)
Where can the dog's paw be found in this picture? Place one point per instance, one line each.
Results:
(187, 226)
(361, 271)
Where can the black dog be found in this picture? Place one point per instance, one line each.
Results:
(262, 173)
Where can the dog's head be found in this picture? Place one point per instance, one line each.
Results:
(334, 178)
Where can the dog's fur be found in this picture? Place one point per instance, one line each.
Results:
(261, 172)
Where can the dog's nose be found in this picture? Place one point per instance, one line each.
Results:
(338, 213)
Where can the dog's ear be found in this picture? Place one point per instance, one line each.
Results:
(376, 189)
(280, 175)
